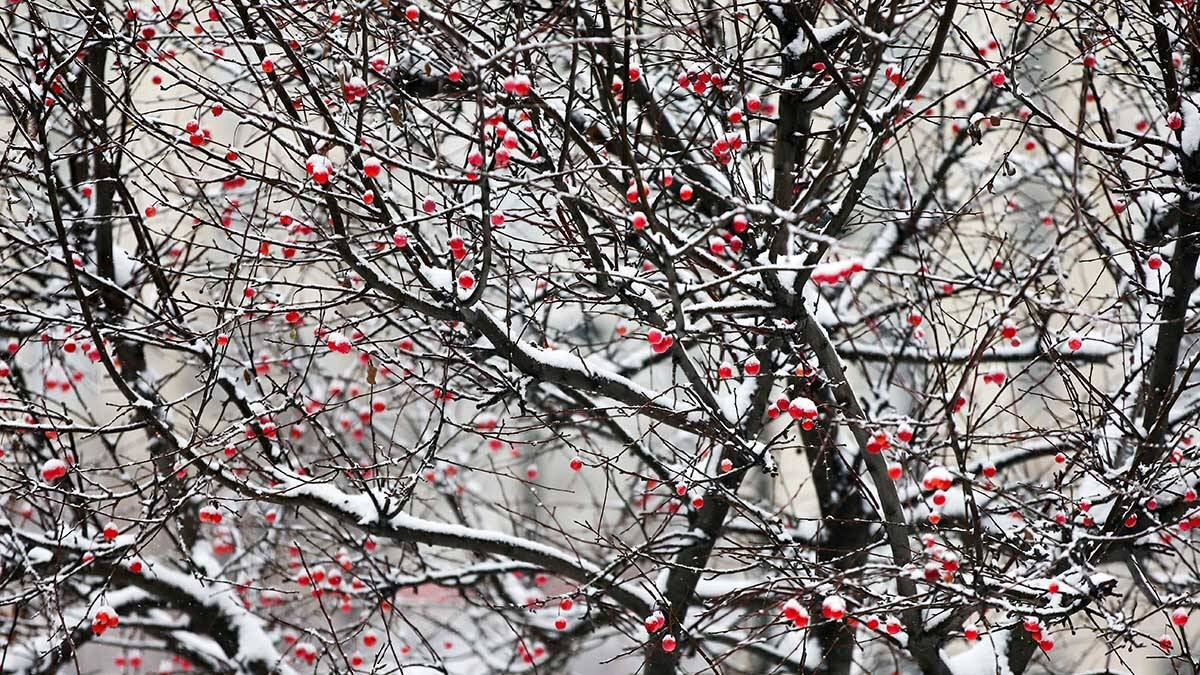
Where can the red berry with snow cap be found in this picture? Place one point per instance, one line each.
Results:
(53, 470)
(833, 608)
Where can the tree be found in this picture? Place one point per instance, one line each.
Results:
(487, 337)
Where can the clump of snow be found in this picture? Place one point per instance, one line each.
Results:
(1189, 136)
(799, 46)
